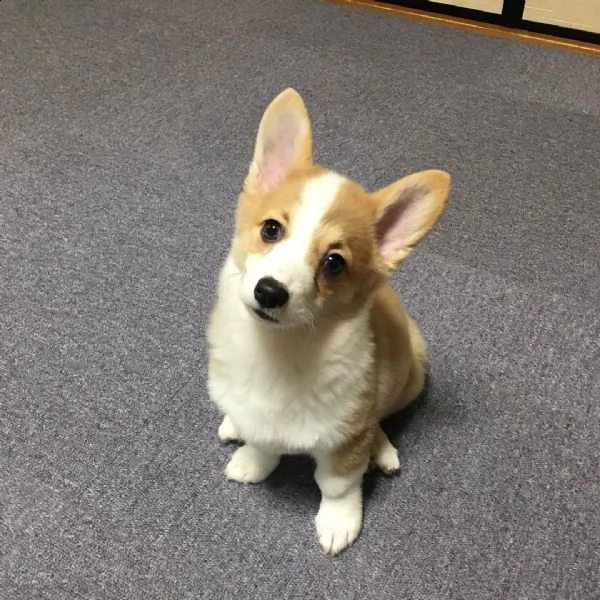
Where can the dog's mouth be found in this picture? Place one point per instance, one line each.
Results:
(261, 314)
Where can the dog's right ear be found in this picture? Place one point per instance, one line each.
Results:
(283, 142)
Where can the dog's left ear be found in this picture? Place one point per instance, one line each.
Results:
(407, 210)
(283, 142)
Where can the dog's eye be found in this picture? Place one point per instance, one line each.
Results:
(271, 231)
(333, 264)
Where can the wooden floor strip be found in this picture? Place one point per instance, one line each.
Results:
(465, 24)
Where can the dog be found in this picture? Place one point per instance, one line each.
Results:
(309, 346)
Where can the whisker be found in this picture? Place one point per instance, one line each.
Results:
(308, 320)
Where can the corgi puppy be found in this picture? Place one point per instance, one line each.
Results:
(309, 346)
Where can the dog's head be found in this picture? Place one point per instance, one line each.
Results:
(310, 243)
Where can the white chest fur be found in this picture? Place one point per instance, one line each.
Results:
(291, 393)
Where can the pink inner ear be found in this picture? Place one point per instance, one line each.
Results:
(279, 152)
(401, 220)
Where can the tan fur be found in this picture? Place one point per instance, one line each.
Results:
(277, 203)
(397, 379)
(374, 232)
(349, 227)
(354, 453)
(400, 351)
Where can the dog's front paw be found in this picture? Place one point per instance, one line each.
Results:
(250, 465)
(227, 431)
(338, 522)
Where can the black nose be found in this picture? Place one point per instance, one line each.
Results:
(269, 293)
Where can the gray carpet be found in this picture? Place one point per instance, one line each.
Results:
(126, 128)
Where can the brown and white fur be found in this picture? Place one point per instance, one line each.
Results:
(338, 353)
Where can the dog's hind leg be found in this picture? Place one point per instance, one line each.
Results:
(416, 377)
(384, 455)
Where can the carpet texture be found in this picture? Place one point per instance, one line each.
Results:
(126, 129)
